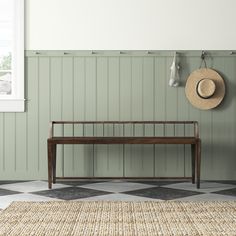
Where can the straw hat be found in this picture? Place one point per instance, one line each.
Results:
(205, 88)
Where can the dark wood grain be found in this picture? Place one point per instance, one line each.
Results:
(122, 140)
(193, 140)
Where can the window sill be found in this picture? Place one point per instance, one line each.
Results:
(12, 105)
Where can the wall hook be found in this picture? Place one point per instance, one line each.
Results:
(203, 55)
(203, 59)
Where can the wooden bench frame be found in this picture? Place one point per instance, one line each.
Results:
(194, 141)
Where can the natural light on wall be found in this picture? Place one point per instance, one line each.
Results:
(12, 56)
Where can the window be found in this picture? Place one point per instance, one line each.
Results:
(11, 55)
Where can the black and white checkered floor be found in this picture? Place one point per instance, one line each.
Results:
(115, 190)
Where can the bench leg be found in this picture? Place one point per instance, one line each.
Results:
(193, 156)
(198, 162)
(50, 165)
(54, 157)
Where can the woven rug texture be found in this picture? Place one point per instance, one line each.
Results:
(165, 218)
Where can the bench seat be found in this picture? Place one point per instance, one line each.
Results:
(123, 140)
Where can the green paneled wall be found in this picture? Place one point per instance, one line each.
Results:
(83, 85)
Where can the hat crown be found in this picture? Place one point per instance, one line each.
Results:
(206, 88)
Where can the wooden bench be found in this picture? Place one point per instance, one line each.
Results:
(100, 138)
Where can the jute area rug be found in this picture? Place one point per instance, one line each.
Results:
(119, 218)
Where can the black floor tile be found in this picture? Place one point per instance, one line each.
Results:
(71, 193)
(162, 193)
(4, 192)
(229, 192)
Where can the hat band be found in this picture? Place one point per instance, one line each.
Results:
(205, 88)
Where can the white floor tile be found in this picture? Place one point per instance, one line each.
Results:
(5, 201)
(118, 197)
(205, 187)
(116, 187)
(207, 197)
(32, 186)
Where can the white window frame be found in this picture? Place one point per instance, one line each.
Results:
(16, 102)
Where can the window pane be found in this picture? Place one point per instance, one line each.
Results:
(12, 56)
(5, 83)
(6, 61)
(6, 45)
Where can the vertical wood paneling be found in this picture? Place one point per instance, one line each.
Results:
(79, 114)
(125, 107)
(115, 152)
(232, 104)
(182, 105)
(67, 112)
(206, 138)
(218, 127)
(125, 88)
(90, 107)
(193, 114)
(137, 113)
(44, 111)
(171, 114)
(122, 87)
(32, 116)
(137, 88)
(91, 89)
(148, 114)
(56, 104)
(223, 132)
(79, 88)
(21, 143)
(10, 142)
(102, 158)
(160, 113)
(230, 70)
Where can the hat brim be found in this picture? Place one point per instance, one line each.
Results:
(191, 89)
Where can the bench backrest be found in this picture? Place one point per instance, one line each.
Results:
(124, 129)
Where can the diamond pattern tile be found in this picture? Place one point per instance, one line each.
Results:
(207, 197)
(119, 197)
(71, 193)
(229, 192)
(31, 186)
(206, 187)
(78, 183)
(158, 182)
(115, 190)
(4, 192)
(162, 193)
(116, 187)
(11, 182)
